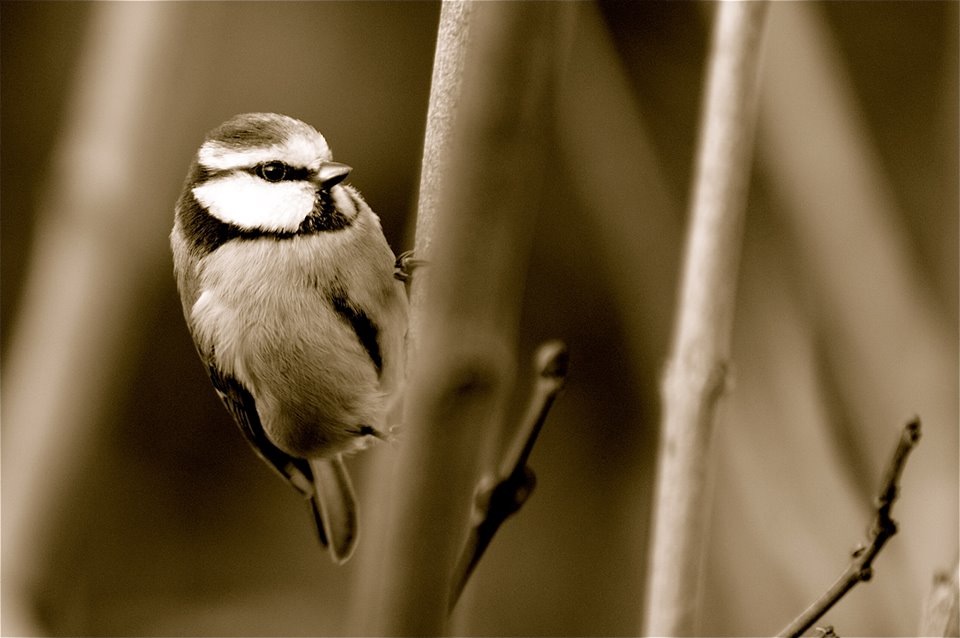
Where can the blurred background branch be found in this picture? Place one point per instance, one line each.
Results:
(696, 374)
(77, 317)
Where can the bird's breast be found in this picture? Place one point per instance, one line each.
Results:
(275, 319)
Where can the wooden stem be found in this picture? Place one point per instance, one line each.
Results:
(697, 369)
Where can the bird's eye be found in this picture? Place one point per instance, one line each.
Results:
(272, 171)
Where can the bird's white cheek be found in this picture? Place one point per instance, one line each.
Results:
(251, 203)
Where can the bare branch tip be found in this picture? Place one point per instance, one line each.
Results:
(911, 431)
(889, 490)
(552, 359)
(882, 528)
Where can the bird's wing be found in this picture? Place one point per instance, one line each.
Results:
(368, 333)
(242, 406)
(334, 506)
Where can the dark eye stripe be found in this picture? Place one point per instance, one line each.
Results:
(204, 174)
(292, 173)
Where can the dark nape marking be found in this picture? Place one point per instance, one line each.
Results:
(366, 329)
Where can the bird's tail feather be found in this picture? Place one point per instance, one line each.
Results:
(334, 507)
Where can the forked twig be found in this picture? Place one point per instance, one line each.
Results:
(499, 496)
(883, 527)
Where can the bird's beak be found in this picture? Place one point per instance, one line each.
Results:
(332, 173)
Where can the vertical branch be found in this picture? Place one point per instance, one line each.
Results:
(696, 372)
(478, 203)
(446, 86)
(68, 347)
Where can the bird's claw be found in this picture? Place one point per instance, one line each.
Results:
(405, 265)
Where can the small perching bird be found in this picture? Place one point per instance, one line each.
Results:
(288, 289)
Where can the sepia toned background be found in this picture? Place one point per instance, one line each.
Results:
(132, 506)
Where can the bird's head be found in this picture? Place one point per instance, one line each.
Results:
(263, 174)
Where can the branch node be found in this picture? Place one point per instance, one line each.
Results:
(500, 495)
(826, 632)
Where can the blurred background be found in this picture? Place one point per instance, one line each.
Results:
(132, 506)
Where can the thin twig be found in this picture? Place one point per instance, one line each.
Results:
(883, 527)
(500, 495)
(696, 373)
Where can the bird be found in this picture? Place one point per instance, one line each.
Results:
(291, 295)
